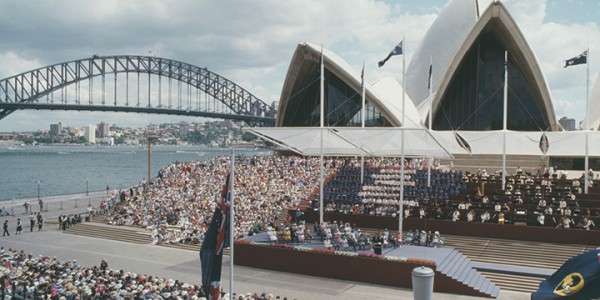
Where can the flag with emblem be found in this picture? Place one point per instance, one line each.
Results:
(578, 278)
(396, 51)
(216, 239)
(577, 60)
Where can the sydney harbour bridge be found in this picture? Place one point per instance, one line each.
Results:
(137, 84)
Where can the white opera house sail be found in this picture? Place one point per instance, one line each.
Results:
(465, 47)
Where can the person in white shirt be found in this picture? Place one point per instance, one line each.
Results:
(485, 200)
(542, 203)
(541, 219)
(587, 223)
(471, 216)
(485, 216)
(422, 213)
(456, 215)
(562, 204)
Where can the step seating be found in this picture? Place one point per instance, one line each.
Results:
(459, 267)
(516, 283)
(116, 233)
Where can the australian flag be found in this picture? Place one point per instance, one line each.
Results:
(396, 51)
(577, 60)
(215, 239)
(578, 278)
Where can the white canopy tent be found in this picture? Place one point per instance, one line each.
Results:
(354, 141)
(560, 143)
(386, 142)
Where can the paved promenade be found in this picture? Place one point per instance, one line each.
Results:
(184, 264)
(54, 205)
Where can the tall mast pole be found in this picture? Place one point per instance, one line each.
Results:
(362, 121)
(400, 213)
(429, 158)
(231, 222)
(587, 122)
(322, 124)
(504, 119)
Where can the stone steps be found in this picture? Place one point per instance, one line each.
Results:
(459, 267)
(518, 253)
(99, 229)
(511, 282)
(115, 233)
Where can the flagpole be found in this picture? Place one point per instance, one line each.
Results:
(400, 213)
(429, 158)
(504, 119)
(231, 223)
(362, 120)
(322, 124)
(587, 120)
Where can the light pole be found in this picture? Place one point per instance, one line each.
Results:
(87, 186)
(149, 139)
(38, 184)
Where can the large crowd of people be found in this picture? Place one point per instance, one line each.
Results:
(24, 276)
(43, 277)
(178, 204)
(548, 199)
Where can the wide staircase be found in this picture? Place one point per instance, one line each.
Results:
(514, 253)
(508, 253)
(98, 228)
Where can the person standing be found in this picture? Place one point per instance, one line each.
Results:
(19, 226)
(5, 228)
(31, 222)
(103, 265)
(40, 221)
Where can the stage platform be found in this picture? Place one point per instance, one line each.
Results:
(437, 254)
(449, 263)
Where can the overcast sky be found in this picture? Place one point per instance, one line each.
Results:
(252, 42)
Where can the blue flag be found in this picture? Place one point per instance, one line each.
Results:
(578, 278)
(215, 239)
(577, 60)
(396, 51)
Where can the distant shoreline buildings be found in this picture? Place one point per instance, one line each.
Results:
(210, 133)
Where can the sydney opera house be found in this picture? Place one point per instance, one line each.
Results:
(465, 47)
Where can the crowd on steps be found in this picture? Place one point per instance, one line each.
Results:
(178, 204)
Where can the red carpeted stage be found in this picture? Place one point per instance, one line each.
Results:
(454, 272)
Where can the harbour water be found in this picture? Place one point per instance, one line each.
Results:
(63, 170)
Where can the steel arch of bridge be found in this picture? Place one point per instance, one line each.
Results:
(26, 90)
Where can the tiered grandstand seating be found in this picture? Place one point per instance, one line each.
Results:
(379, 195)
